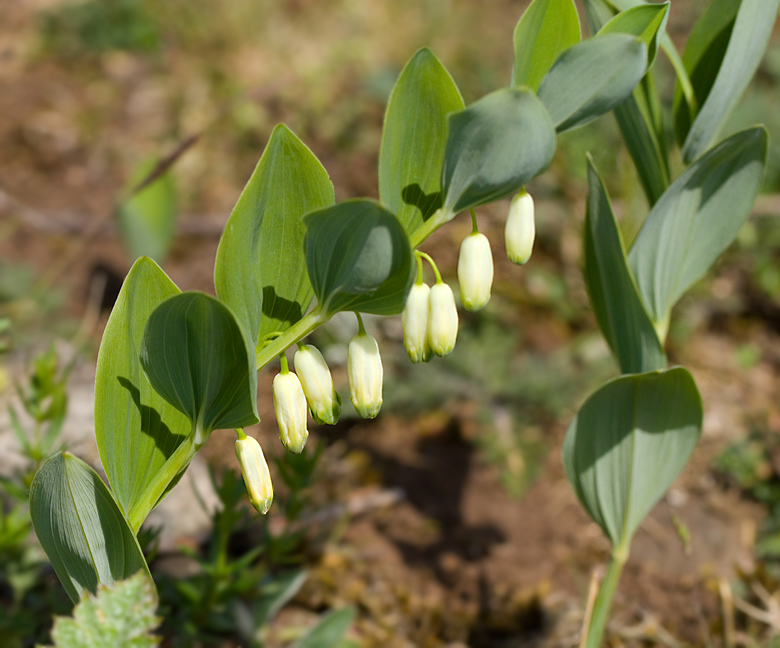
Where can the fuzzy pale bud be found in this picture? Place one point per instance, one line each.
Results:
(414, 321)
(290, 409)
(257, 478)
(317, 383)
(520, 229)
(475, 271)
(364, 366)
(442, 320)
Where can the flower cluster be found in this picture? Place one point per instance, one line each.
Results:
(430, 326)
(430, 318)
(311, 385)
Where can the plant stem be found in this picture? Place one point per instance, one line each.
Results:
(299, 330)
(175, 464)
(431, 225)
(598, 620)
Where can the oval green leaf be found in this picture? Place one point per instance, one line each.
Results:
(647, 22)
(136, 429)
(494, 147)
(81, 528)
(592, 78)
(547, 28)
(359, 258)
(260, 272)
(414, 138)
(613, 294)
(696, 219)
(747, 41)
(627, 445)
(198, 359)
(599, 12)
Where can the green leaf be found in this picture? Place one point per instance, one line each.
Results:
(639, 116)
(640, 122)
(120, 616)
(592, 77)
(147, 219)
(80, 526)
(494, 147)
(260, 272)
(413, 140)
(702, 58)
(627, 445)
(198, 358)
(276, 595)
(359, 258)
(329, 631)
(696, 219)
(136, 430)
(598, 13)
(647, 22)
(547, 28)
(731, 51)
(613, 294)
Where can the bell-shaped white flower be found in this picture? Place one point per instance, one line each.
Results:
(290, 409)
(475, 271)
(414, 321)
(257, 478)
(520, 229)
(324, 400)
(442, 319)
(364, 366)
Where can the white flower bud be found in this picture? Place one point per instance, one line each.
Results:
(257, 478)
(520, 229)
(290, 408)
(475, 271)
(442, 320)
(364, 366)
(414, 320)
(317, 383)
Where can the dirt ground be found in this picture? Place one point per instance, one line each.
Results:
(453, 559)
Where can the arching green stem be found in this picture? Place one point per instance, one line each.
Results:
(297, 331)
(432, 264)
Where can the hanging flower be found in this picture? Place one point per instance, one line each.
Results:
(290, 408)
(520, 230)
(414, 321)
(442, 320)
(324, 401)
(475, 271)
(257, 478)
(364, 366)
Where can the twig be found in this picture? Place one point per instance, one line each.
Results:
(164, 164)
(727, 606)
(757, 613)
(593, 591)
